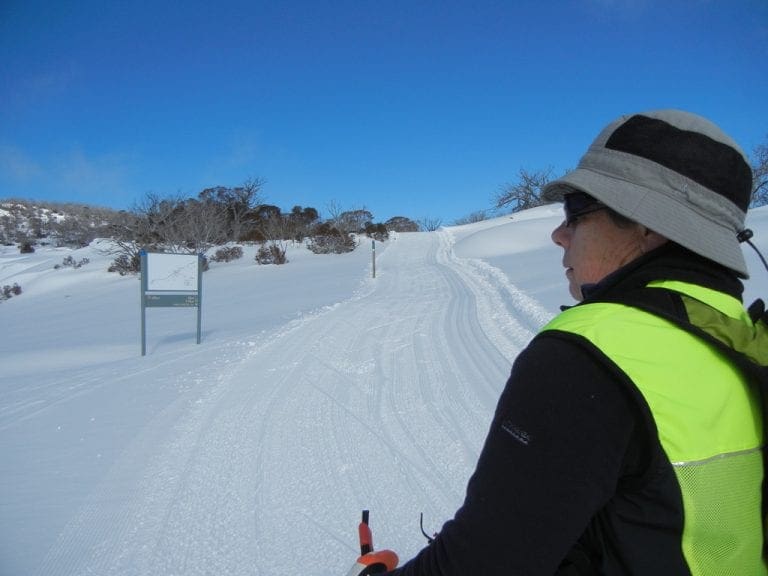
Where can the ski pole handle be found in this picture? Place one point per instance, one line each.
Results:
(366, 537)
(371, 562)
(374, 563)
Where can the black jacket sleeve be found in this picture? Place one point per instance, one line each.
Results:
(557, 446)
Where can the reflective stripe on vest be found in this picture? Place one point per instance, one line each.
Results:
(708, 420)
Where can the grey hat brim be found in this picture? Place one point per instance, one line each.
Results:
(670, 204)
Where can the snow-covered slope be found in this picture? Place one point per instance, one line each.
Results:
(317, 391)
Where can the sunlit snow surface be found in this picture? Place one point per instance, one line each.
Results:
(317, 391)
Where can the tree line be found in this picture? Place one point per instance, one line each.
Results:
(175, 224)
(221, 214)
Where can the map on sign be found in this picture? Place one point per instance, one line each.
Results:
(173, 272)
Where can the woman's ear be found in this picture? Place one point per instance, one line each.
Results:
(651, 240)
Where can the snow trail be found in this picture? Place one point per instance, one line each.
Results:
(380, 402)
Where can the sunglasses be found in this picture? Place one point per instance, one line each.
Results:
(578, 204)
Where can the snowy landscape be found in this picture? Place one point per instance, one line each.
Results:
(317, 391)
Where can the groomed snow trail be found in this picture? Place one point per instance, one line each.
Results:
(380, 402)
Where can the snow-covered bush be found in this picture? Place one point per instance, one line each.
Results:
(377, 232)
(227, 254)
(329, 240)
(124, 264)
(70, 262)
(9, 291)
(272, 253)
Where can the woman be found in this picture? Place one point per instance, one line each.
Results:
(627, 440)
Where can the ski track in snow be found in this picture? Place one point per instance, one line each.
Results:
(374, 401)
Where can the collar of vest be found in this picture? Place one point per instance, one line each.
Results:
(668, 262)
(712, 315)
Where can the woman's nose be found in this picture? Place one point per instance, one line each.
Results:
(560, 234)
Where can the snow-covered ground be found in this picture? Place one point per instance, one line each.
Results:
(317, 391)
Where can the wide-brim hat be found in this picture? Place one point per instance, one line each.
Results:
(674, 172)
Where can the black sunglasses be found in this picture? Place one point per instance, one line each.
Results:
(578, 204)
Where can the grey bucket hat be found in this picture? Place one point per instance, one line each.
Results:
(674, 172)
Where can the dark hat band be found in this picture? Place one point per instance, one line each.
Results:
(712, 164)
(655, 181)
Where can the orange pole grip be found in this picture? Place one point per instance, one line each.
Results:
(366, 537)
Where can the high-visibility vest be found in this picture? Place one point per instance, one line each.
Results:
(706, 411)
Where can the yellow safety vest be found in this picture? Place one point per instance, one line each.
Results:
(707, 414)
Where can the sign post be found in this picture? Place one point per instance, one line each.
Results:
(373, 248)
(170, 280)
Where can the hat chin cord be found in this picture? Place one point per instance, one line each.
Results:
(745, 236)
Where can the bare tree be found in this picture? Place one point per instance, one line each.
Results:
(525, 192)
(301, 221)
(237, 203)
(354, 221)
(126, 228)
(760, 176)
(428, 224)
(170, 223)
(275, 226)
(159, 220)
(273, 229)
(138, 229)
(478, 216)
(242, 200)
(200, 224)
(348, 221)
(334, 212)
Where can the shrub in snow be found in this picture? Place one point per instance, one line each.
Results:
(124, 264)
(227, 254)
(332, 244)
(26, 248)
(329, 240)
(401, 224)
(70, 262)
(272, 253)
(10, 291)
(377, 232)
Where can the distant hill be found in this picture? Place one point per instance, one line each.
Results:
(29, 222)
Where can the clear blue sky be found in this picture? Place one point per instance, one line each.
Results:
(414, 108)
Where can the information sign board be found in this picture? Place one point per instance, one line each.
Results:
(170, 281)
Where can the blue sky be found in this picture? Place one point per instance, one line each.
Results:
(413, 108)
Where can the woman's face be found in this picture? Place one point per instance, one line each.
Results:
(595, 246)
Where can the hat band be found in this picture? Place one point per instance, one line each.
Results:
(715, 165)
(658, 179)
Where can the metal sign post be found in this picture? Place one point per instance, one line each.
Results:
(170, 280)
